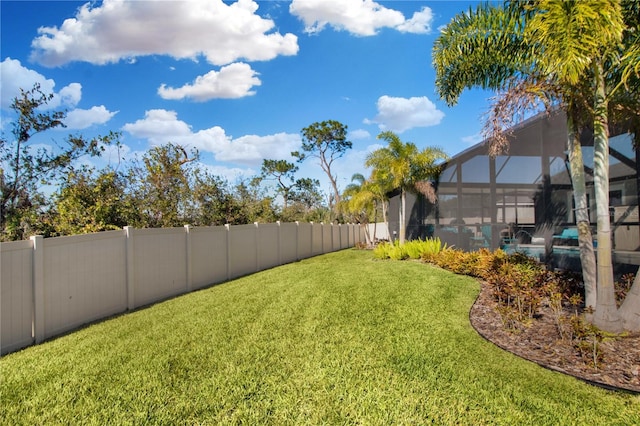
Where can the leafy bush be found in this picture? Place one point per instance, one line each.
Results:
(416, 249)
(390, 251)
(455, 260)
(419, 249)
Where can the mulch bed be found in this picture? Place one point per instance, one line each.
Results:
(540, 342)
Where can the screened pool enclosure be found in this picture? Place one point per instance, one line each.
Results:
(522, 201)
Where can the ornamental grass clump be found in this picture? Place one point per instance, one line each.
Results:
(419, 249)
(415, 249)
(392, 251)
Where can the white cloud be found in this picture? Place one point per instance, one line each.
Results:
(159, 126)
(359, 17)
(400, 114)
(252, 149)
(162, 126)
(83, 118)
(233, 81)
(359, 134)
(120, 29)
(15, 77)
(473, 139)
(420, 22)
(68, 96)
(230, 174)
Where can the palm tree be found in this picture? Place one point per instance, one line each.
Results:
(365, 198)
(487, 48)
(406, 168)
(557, 45)
(578, 39)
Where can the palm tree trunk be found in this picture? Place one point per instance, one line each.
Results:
(375, 222)
(403, 204)
(630, 309)
(606, 316)
(585, 239)
(385, 219)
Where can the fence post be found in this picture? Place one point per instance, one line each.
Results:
(187, 232)
(297, 240)
(331, 236)
(228, 228)
(256, 239)
(130, 269)
(279, 243)
(38, 288)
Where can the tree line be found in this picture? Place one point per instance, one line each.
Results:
(48, 190)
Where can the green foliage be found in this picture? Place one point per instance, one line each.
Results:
(521, 285)
(402, 165)
(91, 201)
(416, 249)
(455, 260)
(283, 173)
(165, 187)
(214, 203)
(326, 141)
(421, 249)
(587, 339)
(25, 169)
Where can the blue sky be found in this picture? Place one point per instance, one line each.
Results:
(238, 80)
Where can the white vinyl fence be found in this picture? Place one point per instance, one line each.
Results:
(50, 286)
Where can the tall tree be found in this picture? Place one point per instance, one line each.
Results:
(93, 201)
(306, 192)
(164, 187)
(364, 198)
(25, 169)
(326, 141)
(359, 205)
(254, 205)
(406, 168)
(283, 173)
(579, 40)
(214, 203)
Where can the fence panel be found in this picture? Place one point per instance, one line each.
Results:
(243, 258)
(288, 242)
(344, 236)
(268, 245)
(316, 239)
(335, 237)
(84, 279)
(159, 264)
(353, 234)
(16, 290)
(327, 237)
(208, 256)
(305, 238)
(378, 231)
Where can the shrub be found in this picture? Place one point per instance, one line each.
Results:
(381, 251)
(390, 251)
(419, 249)
(415, 249)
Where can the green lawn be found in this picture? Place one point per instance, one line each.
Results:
(337, 339)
